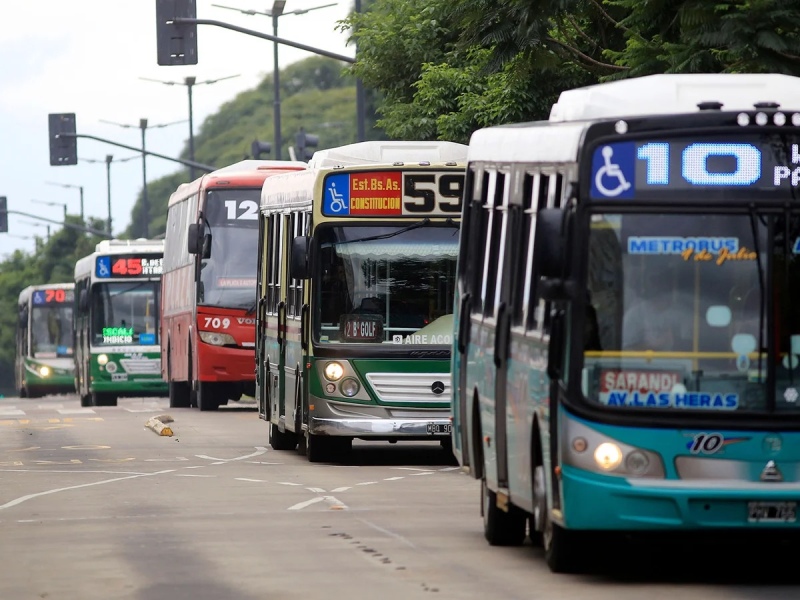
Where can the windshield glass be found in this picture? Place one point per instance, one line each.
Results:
(678, 311)
(51, 331)
(227, 277)
(125, 313)
(390, 284)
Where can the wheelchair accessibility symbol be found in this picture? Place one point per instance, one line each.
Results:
(337, 195)
(613, 169)
(103, 268)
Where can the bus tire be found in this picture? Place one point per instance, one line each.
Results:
(103, 399)
(562, 549)
(86, 400)
(178, 394)
(281, 440)
(501, 528)
(207, 396)
(324, 448)
(23, 393)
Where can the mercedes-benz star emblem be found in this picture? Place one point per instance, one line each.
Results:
(437, 387)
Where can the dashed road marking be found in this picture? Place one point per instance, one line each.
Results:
(393, 478)
(334, 503)
(289, 483)
(192, 475)
(76, 411)
(251, 480)
(11, 411)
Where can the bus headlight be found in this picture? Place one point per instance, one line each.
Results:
(333, 371)
(217, 339)
(349, 387)
(588, 449)
(608, 456)
(102, 359)
(44, 371)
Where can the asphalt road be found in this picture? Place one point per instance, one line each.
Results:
(94, 505)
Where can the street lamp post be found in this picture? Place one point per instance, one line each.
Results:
(53, 204)
(275, 12)
(145, 200)
(69, 185)
(109, 160)
(36, 224)
(190, 82)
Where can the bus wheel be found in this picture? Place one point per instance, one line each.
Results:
(207, 396)
(501, 528)
(178, 394)
(101, 399)
(281, 440)
(561, 548)
(23, 393)
(324, 448)
(537, 519)
(86, 400)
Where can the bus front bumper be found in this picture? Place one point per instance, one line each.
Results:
(601, 502)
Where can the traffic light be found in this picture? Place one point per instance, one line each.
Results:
(304, 141)
(176, 42)
(63, 141)
(3, 215)
(258, 148)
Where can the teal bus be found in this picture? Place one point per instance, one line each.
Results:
(627, 335)
(44, 347)
(116, 322)
(355, 293)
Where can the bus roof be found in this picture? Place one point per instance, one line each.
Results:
(558, 139)
(675, 93)
(26, 293)
(373, 152)
(254, 170)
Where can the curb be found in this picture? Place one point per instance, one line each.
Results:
(157, 424)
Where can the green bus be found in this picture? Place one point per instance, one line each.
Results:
(357, 259)
(44, 348)
(116, 316)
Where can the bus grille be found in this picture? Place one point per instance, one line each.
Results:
(410, 387)
(136, 366)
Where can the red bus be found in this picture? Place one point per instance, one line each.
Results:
(208, 308)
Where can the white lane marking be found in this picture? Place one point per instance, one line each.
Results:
(76, 411)
(288, 483)
(222, 462)
(334, 503)
(253, 480)
(22, 499)
(58, 405)
(105, 472)
(418, 474)
(192, 475)
(367, 483)
(342, 489)
(393, 478)
(259, 451)
(195, 467)
(11, 411)
(316, 490)
(176, 459)
(450, 469)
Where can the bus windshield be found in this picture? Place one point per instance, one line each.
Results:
(677, 313)
(51, 331)
(227, 276)
(385, 284)
(125, 313)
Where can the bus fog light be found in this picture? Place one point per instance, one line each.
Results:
(330, 388)
(608, 456)
(44, 371)
(334, 371)
(349, 387)
(111, 367)
(102, 359)
(637, 462)
(579, 445)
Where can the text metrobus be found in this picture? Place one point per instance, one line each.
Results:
(44, 342)
(355, 286)
(117, 293)
(627, 348)
(209, 299)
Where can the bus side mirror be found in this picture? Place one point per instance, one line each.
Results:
(83, 301)
(194, 239)
(550, 258)
(23, 317)
(298, 262)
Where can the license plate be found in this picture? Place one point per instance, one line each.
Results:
(771, 512)
(434, 428)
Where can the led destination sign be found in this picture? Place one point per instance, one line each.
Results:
(393, 193)
(128, 265)
(52, 296)
(627, 170)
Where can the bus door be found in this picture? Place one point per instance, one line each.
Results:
(262, 385)
(276, 317)
(294, 344)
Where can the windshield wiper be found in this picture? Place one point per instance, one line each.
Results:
(385, 236)
(761, 289)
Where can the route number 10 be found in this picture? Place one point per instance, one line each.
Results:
(694, 163)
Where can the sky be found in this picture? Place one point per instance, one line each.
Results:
(89, 57)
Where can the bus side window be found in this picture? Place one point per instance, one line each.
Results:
(538, 309)
(491, 241)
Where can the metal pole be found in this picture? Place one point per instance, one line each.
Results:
(65, 213)
(81, 188)
(145, 200)
(109, 158)
(189, 81)
(276, 84)
(360, 97)
(48, 233)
